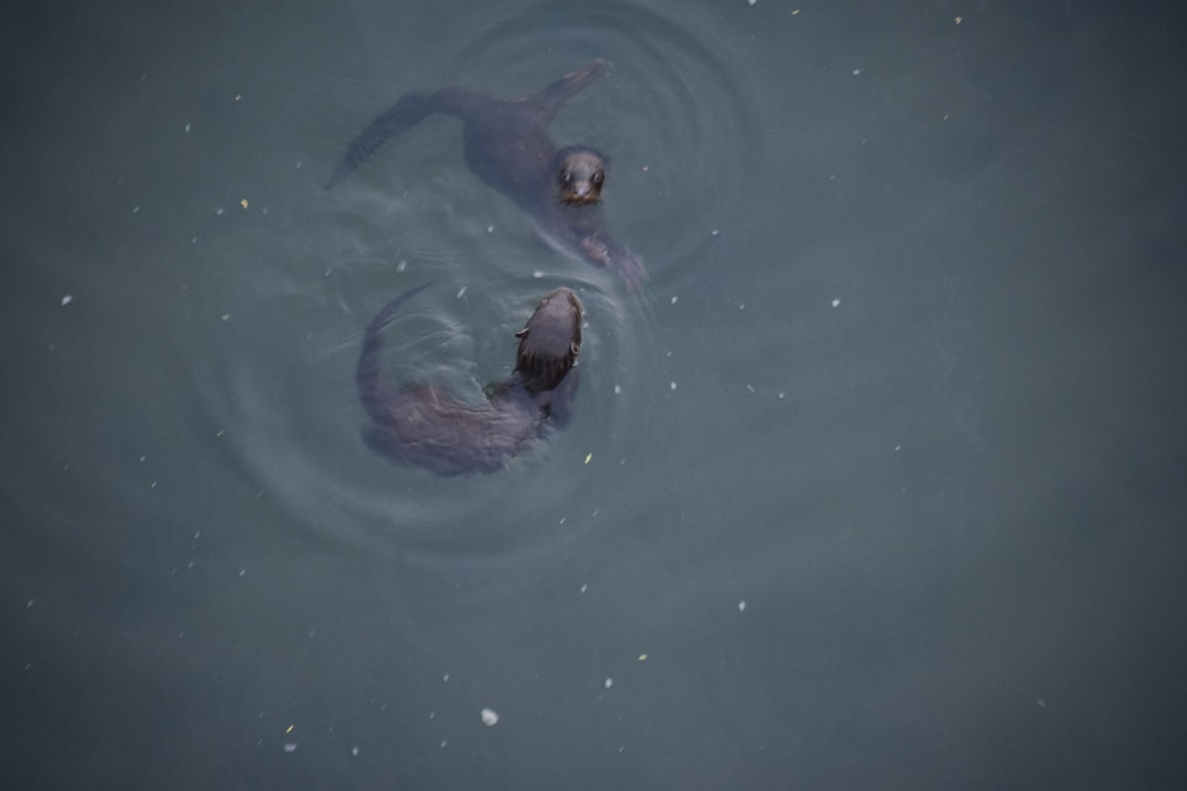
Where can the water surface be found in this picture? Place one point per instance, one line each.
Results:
(877, 482)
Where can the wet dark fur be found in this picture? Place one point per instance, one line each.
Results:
(508, 146)
(429, 428)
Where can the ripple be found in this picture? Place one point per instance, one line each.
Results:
(295, 423)
(676, 116)
(676, 119)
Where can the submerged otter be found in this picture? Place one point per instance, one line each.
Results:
(429, 428)
(508, 146)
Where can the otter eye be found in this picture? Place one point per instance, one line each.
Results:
(566, 176)
(598, 177)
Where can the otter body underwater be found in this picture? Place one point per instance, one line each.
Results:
(508, 146)
(431, 429)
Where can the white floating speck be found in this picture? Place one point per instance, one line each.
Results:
(242, 572)
(714, 232)
(751, 2)
(750, 388)
(742, 606)
(135, 209)
(537, 274)
(444, 742)
(445, 677)
(28, 604)
(836, 303)
(490, 229)
(354, 751)
(226, 317)
(66, 300)
(290, 746)
(461, 292)
(617, 389)
(609, 683)
(856, 72)
(673, 300)
(781, 395)
(489, 717)
(584, 588)
(218, 211)
(898, 447)
(742, 306)
(400, 267)
(673, 385)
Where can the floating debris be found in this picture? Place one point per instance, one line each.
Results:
(489, 718)
(66, 300)
(742, 606)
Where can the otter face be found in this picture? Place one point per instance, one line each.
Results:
(551, 341)
(580, 173)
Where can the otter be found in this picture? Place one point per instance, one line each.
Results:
(508, 146)
(431, 429)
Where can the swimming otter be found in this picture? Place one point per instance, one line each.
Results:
(426, 427)
(508, 146)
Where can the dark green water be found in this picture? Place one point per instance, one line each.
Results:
(882, 472)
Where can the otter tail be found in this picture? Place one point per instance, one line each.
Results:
(367, 373)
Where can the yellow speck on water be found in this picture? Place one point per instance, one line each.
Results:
(793, 13)
(642, 657)
(187, 129)
(243, 203)
(588, 456)
(289, 729)
(959, 20)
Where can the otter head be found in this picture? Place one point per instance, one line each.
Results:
(580, 172)
(550, 343)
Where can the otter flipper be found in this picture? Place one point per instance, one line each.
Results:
(410, 110)
(550, 99)
(402, 116)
